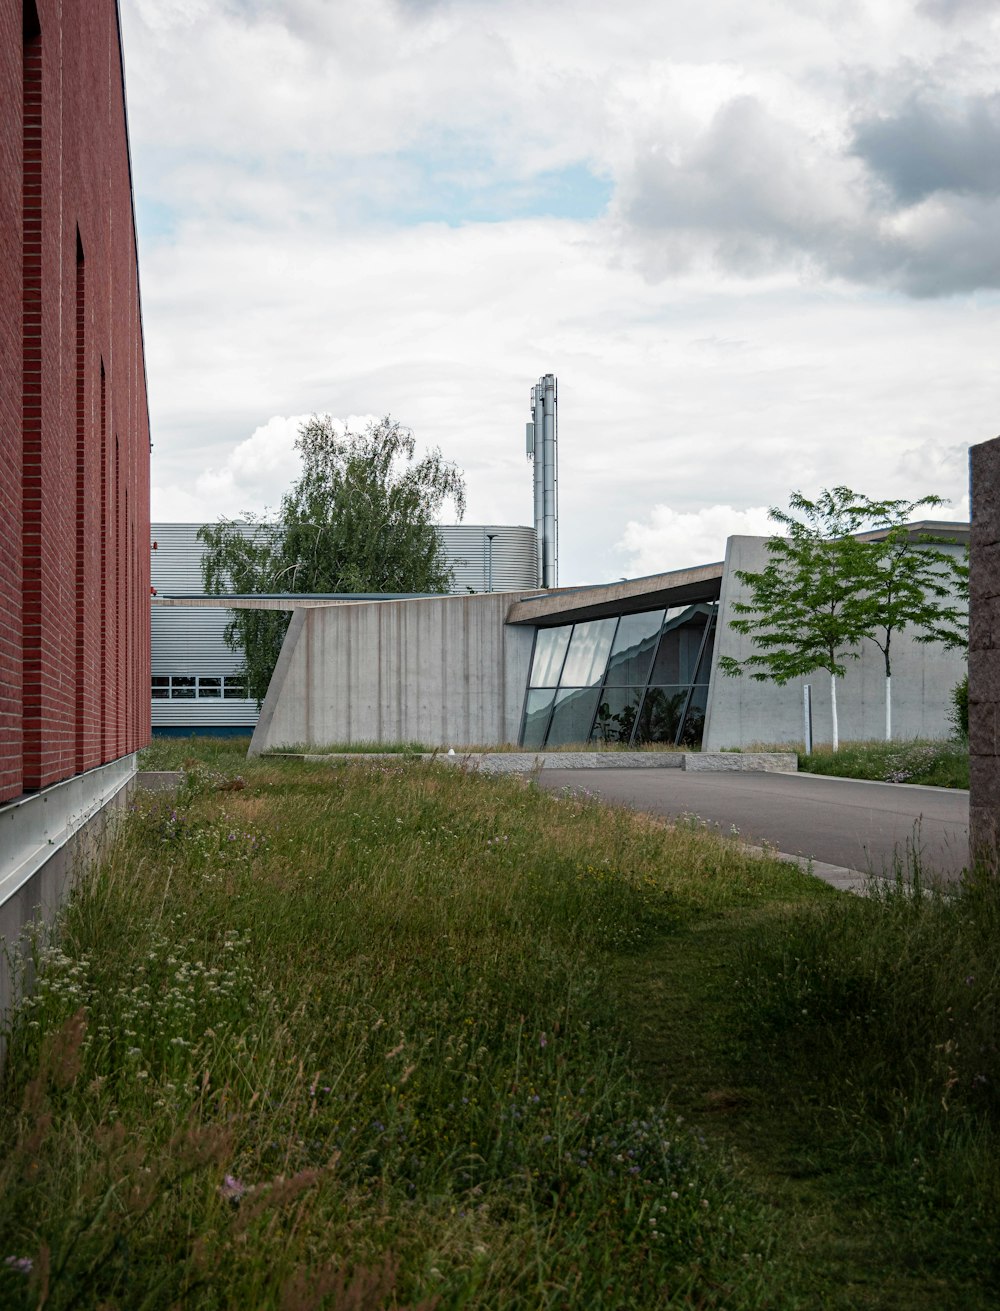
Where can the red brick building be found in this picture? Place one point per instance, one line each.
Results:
(74, 452)
(74, 428)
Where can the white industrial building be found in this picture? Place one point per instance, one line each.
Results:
(196, 685)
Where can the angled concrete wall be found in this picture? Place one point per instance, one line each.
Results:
(742, 712)
(445, 671)
(984, 650)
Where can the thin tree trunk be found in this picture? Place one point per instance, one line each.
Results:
(833, 711)
(888, 708)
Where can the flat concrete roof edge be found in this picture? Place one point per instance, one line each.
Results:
(628, 595)
(318, 600)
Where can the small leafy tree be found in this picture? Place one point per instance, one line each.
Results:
(801, 613)
(850, 570)
(905, 580)
(360, 518)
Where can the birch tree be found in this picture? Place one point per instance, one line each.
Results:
(360, 518)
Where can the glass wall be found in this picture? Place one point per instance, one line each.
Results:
(632, 679)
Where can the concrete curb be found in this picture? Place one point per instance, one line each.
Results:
(838, 876)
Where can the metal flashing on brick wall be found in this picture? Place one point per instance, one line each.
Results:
(34, 828)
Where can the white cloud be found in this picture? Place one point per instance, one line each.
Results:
(734, 328)
(252, 476)
(671, 393)
(667, 539)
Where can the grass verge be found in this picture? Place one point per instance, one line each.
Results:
(943, 764)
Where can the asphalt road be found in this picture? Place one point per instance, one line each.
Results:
(837, 821)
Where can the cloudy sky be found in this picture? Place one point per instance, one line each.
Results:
(757, 243)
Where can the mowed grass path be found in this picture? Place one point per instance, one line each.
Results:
(393, 1036)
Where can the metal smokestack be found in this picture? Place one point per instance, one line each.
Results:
(542, 444)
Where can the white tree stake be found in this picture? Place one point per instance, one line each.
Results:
(888, 709)
(833, 711)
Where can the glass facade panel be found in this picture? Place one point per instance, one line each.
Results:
(573, 715)
(694, 722)
(679, 645)
(616, 714)
(589, 681)
(588, 654)
(234, 690)
(550, 648)
(705, 668)
(633, 648)
(536, 717)
(209, 687)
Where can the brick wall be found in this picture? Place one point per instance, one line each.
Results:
(10, 399)
(74, 430)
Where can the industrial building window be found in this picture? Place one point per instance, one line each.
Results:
(191, 687)
(634, 679)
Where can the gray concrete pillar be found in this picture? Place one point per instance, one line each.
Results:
(984, 652)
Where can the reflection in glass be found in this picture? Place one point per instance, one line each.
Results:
(616, 714)
(679, 645)
(633, 648)
(694, 721)
(550, 647)
(600, 671)
(536, 717)
(209, 687)
(705, 668)
(588, 654)
(573, 715)
(660, 715)
(161, 688)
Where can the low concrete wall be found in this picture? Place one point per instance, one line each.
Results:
(437, 670)
(984, 653)
(741, 762)
(717, 762)
(526, 762)
(742, 711)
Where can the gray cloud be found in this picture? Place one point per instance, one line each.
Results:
(947, 247)
(912, 204)
(754, 188)
(927, 147)
(953, 11)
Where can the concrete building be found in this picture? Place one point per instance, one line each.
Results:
(74, 446)
(196, 684)
(629, 662)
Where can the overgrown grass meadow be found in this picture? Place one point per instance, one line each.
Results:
(396, 1036)
(928, 763)
(879, 1018)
